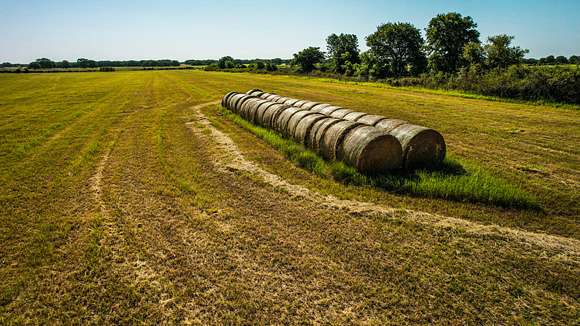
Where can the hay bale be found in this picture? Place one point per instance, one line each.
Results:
(282, 100)
(422, 146)
(254, 90)
(299, 103)
(242, 106)
(334, 136)
(228, 101)
(329, 109)
(225, 98)
(304, 127)
(272, 97)
(291, 101)
(271, 114)
(319, 107)
(265, 95)
(370, 150)
(309, 105)
(371, 119)
(295, 120)
(318, 131)
(389, 124)
(339, 114)
(281, 123)
(234, 101)
(252, 109)
(262, 107)
(354, 116)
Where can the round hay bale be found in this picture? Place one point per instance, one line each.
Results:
(271, 97)
(234, 101)
(354, 116)
(261, 109)
(334, 136)
(339, 114)
(274, 98)
(250, 108)
(309, 105)
(304, 127)
(389, 124)
(281, 123)
(319, 107)
(295, 120)
(371, 119)
(422, 146)
(228, 101)
(265, 95)
(243, 99)
(254, 90)
(318, 130)
(242, 106)
(282, 100)
(329, 109)
(271, 114)
(370, 150)
(299, 103)
(291, 101)
(225, 98)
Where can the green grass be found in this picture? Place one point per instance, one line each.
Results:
(455, 179)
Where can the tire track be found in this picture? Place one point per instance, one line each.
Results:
(230, 159)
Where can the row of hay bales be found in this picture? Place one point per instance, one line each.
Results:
(365, 147)
(421, 146)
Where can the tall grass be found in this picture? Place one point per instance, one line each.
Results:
(456, 179)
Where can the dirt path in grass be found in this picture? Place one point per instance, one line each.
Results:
(229, 158)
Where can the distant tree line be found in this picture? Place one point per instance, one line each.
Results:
(44, 63)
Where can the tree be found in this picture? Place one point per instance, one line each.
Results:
(397, 48)
(307, 58)
(342, 49)
(500, 54)
(549, 60)
(473, 53)
(575, 60)
(226, 62)
(447, 35)
(86, 63)
(561, 60)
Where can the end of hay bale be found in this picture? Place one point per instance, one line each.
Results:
(422, 146)
(354, 116)
(340, 113)
(304, 127)
(371, 150)
(225, 98)
(318, 131)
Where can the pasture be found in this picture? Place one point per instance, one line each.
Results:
(133, 196)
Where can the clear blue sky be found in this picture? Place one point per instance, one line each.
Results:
(179, 29)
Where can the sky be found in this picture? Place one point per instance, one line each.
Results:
(181, 30)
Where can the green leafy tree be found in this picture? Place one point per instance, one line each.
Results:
(397, 49)
(561, 60)
(226, 62)
(473, 53)
(575, 60)
(447, 35)
(308, 58)
(500, 53)
(342, 49)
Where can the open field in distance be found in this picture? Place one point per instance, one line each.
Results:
(121, 201)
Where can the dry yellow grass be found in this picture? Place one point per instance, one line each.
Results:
(120, 204)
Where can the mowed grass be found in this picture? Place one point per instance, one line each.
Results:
(112, 211)
(453, 180)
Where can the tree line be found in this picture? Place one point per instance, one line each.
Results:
(452, 42)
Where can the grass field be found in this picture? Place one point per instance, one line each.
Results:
(133, 197)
